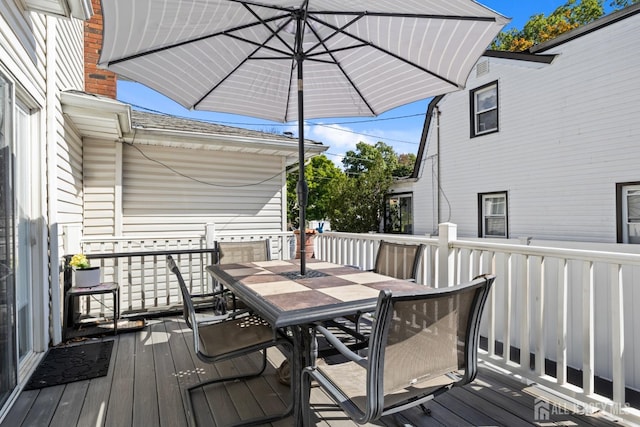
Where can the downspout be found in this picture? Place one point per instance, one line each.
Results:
(437, 114)
(51, 332)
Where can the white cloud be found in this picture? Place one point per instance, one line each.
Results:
(341, 139)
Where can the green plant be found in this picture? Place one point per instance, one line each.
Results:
(80, 262)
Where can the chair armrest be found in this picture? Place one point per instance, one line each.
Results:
(339, 345)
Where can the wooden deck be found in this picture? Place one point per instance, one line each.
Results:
(150, 369)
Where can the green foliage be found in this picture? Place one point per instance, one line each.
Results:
(541, 28)
(352, 200)
(621, 4)
(406, 163)
(358, 204)
(322, 176)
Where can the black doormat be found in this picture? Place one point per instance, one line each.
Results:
(64, 365)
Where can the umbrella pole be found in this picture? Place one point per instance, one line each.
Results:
(302, 189)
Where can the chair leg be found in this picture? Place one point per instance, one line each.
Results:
(245, 423)
(246, 376)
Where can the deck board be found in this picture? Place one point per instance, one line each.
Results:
(151, 368)
(120, 409)
(68, 411)
(171, 408)
(145, 401)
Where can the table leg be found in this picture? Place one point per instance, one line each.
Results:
(303, 347)
(65, 321)
(116, 309)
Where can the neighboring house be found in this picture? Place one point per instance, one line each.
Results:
(71, 156)
(149, 174)
(543, 144)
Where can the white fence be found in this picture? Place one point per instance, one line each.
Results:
(146, 284)
(573, 308)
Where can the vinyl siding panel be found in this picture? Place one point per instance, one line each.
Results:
(68, 73)
(180, 190)
(99, 159)
(568, 133)
(22, 48)
(69, 178)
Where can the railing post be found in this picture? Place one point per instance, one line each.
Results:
(210, 234)
(448, 232)
(71, 238)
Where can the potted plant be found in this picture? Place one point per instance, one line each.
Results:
(85, 275)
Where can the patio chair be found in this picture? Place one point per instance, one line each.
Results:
(229, 336)
(243, 251)
(421, 345)
(398, 260)
(239, 252)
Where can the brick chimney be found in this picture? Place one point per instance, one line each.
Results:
(96, 80)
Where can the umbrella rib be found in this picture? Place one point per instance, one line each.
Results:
(405, 15)
(274, 33)
(364, 12)
(197, 39)
(322, 41)
(385, 51)
(229, 74)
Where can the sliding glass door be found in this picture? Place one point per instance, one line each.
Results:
(24, 234)
(8, 345)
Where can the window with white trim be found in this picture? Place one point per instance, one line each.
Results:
(629, 213)
(399, 214)
(484, 109)
(493, 215)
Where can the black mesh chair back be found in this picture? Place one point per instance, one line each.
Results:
(421, 345)
(243, 251)
(398, 260)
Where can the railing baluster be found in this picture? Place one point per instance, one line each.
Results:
(491, 321)
(525, 360)
(561, 323)
(617, 333)
(506, 281)
(588, 329)
(130, 283)
(539, 306)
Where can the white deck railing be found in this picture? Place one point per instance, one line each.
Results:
(146, 284)
(574, 308)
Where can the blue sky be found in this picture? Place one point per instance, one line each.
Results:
(400, 127)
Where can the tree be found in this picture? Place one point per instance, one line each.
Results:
(621, 4)
(352, 200)
(406, 163)
(322, 176)
(357, 204)
(357, 162)
(541, 28)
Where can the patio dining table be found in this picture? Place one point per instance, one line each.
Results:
(276, 291)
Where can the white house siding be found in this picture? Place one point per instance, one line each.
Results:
(236, 191)
(99, 186)
(568, 134)
(22, 48)
(69, 74)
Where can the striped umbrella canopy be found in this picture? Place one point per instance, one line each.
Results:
(290, 60)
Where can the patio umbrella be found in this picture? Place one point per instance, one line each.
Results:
(251, 57)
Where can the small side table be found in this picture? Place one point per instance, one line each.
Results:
(102, 288)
